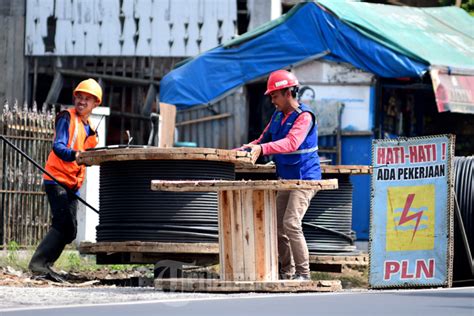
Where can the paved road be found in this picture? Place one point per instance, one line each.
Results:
(434, 302)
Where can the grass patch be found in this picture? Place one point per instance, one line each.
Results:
(70, 261)
(351, 276)
(15, 257)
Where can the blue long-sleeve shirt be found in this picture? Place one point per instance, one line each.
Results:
(61, 139)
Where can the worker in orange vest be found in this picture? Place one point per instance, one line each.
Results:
(73, 134)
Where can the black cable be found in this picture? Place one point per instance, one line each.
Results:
(327, 224)
(130, 210)
(464, 209)
(68, 190)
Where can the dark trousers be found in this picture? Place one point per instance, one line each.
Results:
(64, 211)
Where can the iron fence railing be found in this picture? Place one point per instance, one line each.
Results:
(24, 214)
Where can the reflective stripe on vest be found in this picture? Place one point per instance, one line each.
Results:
(302, 151)
(74, 136)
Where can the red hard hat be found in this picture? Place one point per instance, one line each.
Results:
(280, 79)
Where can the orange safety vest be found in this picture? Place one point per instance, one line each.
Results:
(70, 173)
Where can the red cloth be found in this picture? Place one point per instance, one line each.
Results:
(293, 139)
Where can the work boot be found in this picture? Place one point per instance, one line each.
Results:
(301, 277)
(46, 254)
(56, 253)
(285, 276)
(49, 276)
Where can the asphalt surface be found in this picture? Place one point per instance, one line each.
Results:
(459, 302)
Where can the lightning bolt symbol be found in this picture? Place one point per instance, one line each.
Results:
(406, 218)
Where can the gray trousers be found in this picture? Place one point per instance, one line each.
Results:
(292, 249)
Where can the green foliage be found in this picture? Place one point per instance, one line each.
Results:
(74, 261)
(467, 5)
(12, 251)
(14, 257)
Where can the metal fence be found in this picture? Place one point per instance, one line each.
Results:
(24, 207)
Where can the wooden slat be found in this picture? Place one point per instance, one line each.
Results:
(220, 223)
(362, 260)
(167, 125)
(248, 234)
(220, 185)
(220, 286)
(336, 169)
(97, 157)
(148, 247)
(237, 237)
(260, 236)
(271, 229)
(225, 235)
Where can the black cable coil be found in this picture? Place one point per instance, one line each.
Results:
(327, 225)
(464, 188)
(129, 210)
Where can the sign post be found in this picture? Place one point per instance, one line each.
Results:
(411, 239)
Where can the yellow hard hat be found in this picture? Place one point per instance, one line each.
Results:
(90, 86)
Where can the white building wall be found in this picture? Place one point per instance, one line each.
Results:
(328, 81)
(262, 11)
(158, 28)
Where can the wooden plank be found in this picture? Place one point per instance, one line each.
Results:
(225, 235)
(148, 247)
(220, 286)
(248, 234)
(97, 157)
(271, 228)
(222, 185)
(336, 169)
(220, 223)
(362, 260)
(260, 236)
(167, 125)
(237, 237)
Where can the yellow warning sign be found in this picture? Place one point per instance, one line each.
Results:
(410, 218)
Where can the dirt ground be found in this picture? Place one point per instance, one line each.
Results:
(351, 277)
(82, 271)
(89, 283)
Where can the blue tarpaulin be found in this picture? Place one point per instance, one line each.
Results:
(307, 33)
